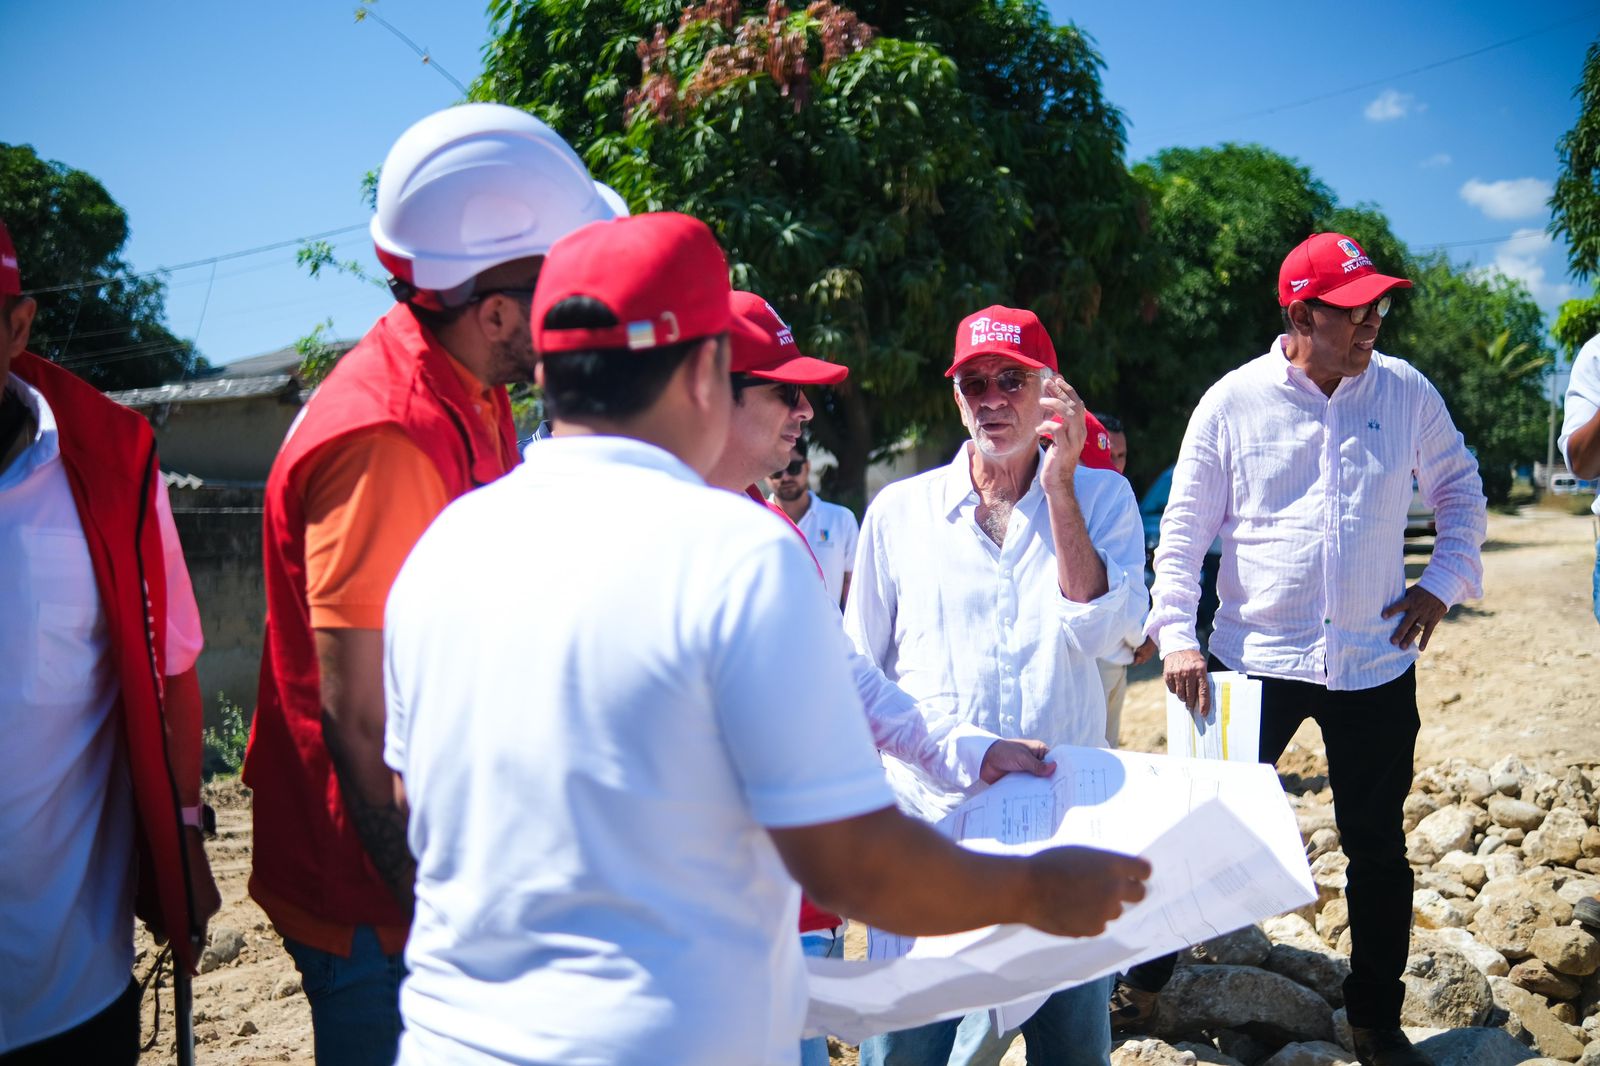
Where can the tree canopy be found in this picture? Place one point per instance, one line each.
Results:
(1575, 204)
(875, 173)
(68, 231)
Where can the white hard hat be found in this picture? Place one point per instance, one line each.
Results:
(474, 186)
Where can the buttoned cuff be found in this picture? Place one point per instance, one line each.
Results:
(1174, 637)
(964, 748)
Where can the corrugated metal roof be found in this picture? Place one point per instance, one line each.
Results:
(209, 390)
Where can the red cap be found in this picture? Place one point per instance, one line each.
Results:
(662, 275)
(1334, 269)
(772, 354)
(1096, 445)
(1005, 331)
(10, 273)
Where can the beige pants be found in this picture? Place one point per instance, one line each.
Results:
(1114, 679)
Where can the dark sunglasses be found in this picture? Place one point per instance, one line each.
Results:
(973, 386)
(792, 470)
(1359, 314)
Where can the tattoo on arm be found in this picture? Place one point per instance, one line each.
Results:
(382, 829)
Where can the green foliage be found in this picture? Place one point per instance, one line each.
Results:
(1576, 322)
(1481, 341)
(69, 230)
(1222, 220)
(224, 745)
(317, 353)
(1575, 205)
(874, 183)
(317, 256)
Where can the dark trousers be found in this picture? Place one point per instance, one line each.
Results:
(1370, 736)
(110, 1038)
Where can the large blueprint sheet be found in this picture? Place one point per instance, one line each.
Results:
(1224, 849)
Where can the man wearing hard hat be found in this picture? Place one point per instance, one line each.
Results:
(469, 201)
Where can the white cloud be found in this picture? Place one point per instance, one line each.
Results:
(1511, 198)
(1392, 104)
(1519, 260)
(1437, 159)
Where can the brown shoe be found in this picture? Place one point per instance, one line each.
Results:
(1132, 1008)
(1386, 1047)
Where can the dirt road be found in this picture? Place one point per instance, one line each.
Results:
(1517, 673)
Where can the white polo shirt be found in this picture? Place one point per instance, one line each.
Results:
(593, 704)
(831, 530)
(66, 804)
(1583, 399)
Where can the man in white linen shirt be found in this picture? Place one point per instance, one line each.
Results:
(994, 584)
(604, 796)
(1302, 461)
(1580, 433)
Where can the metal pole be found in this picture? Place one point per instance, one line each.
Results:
(183, 1013)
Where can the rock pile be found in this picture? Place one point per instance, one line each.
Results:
(1499, 971)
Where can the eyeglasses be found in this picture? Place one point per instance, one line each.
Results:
(792, 470)
(973, 386)
(1359, 314)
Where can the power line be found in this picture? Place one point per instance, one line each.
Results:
(1319, 97)
(365, 12)
(208, 261)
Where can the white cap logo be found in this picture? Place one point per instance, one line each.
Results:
(986, 330)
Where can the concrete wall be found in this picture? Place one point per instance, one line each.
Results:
(228, 440)
(221, 534)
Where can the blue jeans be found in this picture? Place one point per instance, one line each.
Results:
(355, 1001)
(822, 944)
(1597, 581)
(1073, 1028)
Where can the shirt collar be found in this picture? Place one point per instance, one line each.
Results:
(958, 482)
(1293, 376)
(600, 450)
(46, 443)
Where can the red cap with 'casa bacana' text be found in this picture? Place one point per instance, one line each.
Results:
(1006, 331)
(662, 275)
(1334, 269)
(774, 356)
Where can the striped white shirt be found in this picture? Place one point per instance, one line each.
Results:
(1309, 494)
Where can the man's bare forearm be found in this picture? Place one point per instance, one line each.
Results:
(1079, 570)
(380, 824)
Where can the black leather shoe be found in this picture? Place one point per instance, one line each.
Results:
(1386, 1047)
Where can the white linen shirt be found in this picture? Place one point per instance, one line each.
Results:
(66, 803)
(1583, 399)
(592, 700)
(983, 629)
(1309, 493)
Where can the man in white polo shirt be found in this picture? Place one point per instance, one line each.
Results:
(1302, 461)
(830, 529)
(606, 791)
(1580, 432)
(995, 582)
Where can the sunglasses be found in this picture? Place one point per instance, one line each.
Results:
(973, 386)
(792, 470)
(1358, 315)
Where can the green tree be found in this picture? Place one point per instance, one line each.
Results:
(1481, 341)
(1222, 220)
(68, 230)
(874, 182)
(1575, 204)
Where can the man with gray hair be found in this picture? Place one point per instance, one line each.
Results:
(994, 584)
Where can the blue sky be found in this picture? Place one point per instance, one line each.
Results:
(223, 127)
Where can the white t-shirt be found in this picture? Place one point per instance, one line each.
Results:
(593, 702)
(66, 804)
(1583, 399)
(831, 530)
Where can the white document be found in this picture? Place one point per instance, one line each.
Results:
(1224, 849)
(1231, 729)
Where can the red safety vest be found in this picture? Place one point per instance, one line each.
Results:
(109, 454)
(306, 849)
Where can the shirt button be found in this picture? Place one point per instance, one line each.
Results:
(1327, 621)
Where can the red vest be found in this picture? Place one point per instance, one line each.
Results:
(109, 454)
(306, 849)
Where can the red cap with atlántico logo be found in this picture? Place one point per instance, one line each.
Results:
(1334, 269)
